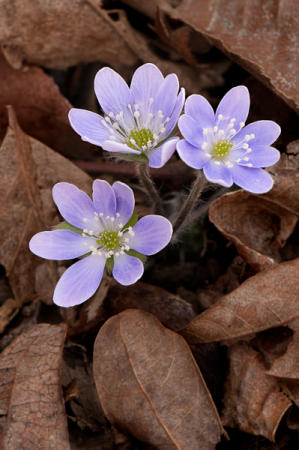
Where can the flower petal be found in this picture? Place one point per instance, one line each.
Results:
(166, 96)
(112, 91)
(192, 156)
(169, 126)
(114, 146)
(266, 132)
(253, 180)
(200, 110)
(103, 198)
(127, 269)
(145, 83)
(125, 201)
(218, 173)
(235, 104)
(80, 281)
(190, 130)
(159, 156)
(261, 156)
(152, 233)
(60, 244)
(74, 205)
(88, 125)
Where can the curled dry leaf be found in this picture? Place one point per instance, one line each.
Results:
(258, 226)
(28, 171)
(266, 44)
(253, 401)
(266, 300)
(30, 390)
(170, 309)
(150, 386)
(70, 33)
(40, 107)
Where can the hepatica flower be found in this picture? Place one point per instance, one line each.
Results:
(138, 120)
(227, 150)
(100, 236)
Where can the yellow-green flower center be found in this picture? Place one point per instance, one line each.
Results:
(222, 148)
(109, 239)
(140, 138)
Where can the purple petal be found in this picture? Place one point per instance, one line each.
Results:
(113, 146)
(127, 269)
(103, 198)
(200, 110)
(112, 91)
(125, 201)
(160, 156)
(88, 125)
(145, 83)
(190, 130)
(266, 132)
(192, 156)
(235, 104)
(152, 233)
(218, 173)
(261, 156)
(166, 97)
(73, 204)
(80, 281)
(60, 244)
(257, 181)
(169, 126)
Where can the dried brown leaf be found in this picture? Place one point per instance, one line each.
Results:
(60, 34)
(30, 390)
(253, 401)
(150, 386)
(28, 171)
(40, 107)
(266, 300)
(261, 37)
(258, 226)
(170, 309)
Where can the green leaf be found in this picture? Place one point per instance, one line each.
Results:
(110, 263)
(67, 226)
(131, 222)
(138, 255)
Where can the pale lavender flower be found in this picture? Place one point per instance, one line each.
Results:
(227, 150)
(102, 234)
(138, 120)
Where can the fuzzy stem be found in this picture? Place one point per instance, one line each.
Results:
(190, 202)
(149, 185)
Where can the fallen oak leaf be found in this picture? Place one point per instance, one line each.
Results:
(150, 386)
(252, 400)
(30, 390)
(40, 107)
(268, 299)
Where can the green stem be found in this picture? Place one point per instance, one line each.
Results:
(190, 203)
(150, 187)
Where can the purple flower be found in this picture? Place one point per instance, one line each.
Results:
(220, 144)
(100, 234)
(138, 120)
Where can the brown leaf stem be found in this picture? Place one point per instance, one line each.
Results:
(150, 187)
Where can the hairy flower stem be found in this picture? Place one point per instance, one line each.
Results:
(190, 203)
(149, 185)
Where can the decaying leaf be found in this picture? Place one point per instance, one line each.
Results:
(258, 226)
(260, 36)
(287, 365)
(30, 390)
(40, 107)
(150, 386)
(170, 309)
(68, 33)
(266, 300)
(29, 169)
(253, 401)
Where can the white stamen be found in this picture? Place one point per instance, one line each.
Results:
(205, 131)
(117, 214)
(215, 129)
(85, 219)
(204, 145)
(246, 158)
(245, 145)
(220, 116)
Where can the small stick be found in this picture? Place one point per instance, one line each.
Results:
(149, 185)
